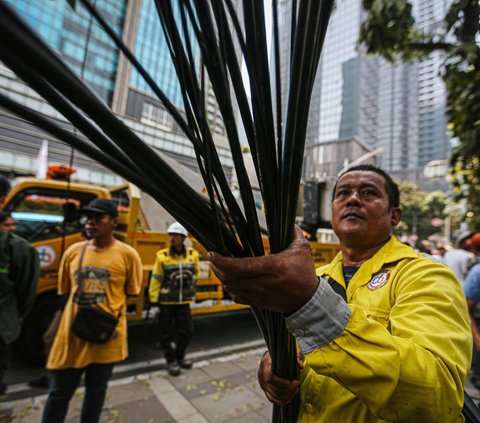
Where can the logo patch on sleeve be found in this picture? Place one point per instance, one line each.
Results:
(379, 280)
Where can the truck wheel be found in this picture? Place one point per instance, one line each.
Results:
(29, 345)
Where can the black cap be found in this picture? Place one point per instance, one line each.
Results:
(101, 206)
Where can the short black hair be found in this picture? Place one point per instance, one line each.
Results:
(391, 187)
(4, 186)
(4, 215)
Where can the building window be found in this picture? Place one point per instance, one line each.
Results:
(157, 115)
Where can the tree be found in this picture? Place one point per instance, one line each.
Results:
(418, 210)
(389, 30)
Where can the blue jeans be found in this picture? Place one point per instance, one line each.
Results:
(63, 384)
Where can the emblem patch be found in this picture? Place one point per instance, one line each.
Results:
(379, 280)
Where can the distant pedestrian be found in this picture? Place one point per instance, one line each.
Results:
(471, 289)
(440, 253)
(459, 258)
(425, 248)
(98, 275)
(474, 245)
(19, 272)
(173, 286)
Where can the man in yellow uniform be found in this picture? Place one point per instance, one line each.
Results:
(99, 273)
(173, 287)
(384, 330)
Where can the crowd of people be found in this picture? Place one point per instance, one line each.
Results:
(458, 257)
(385, 331)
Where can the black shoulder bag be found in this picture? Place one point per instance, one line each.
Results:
(91, 323)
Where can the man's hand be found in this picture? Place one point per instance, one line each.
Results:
(278, 390)
(281, 282)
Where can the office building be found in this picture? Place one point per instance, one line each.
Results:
(434, 142)
(92, 55)
(344, 104)
(399, 108)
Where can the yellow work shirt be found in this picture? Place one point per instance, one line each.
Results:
(108, 277)
(404, 353)
(174, 276)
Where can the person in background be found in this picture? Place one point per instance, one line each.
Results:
(7, 223)
(439, 253)
(471, 288)
(19, 273)
(425, 248)
(173, 286)
(459, 258)
(384, 331)
(474, 246)
(100, 272)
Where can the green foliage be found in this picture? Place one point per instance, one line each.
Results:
(389, 30)
(465, 175)
(418, 210)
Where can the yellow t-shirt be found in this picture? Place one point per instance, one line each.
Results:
(108, 276)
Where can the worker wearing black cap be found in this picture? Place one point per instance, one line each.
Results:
(96, 274)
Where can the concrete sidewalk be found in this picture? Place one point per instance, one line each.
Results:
(224, 389)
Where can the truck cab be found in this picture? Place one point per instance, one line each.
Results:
(45, 212)
(46, 215)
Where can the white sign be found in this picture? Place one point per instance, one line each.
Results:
(46, 254)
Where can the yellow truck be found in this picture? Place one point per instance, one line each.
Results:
(46, 215)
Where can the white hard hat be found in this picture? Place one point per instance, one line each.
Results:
(176, 228)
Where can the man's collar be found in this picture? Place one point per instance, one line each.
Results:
(391, 252)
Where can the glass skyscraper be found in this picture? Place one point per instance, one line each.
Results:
(397, 123)
(80, 41)
(348, 80)
(151, 49)
(400, 108)
(92, 55)
(434, 143)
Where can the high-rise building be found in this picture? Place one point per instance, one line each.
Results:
(348, 80)
(344, 103)
(400, 108)
(93, 56)
(434, 142)
(397, 119)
